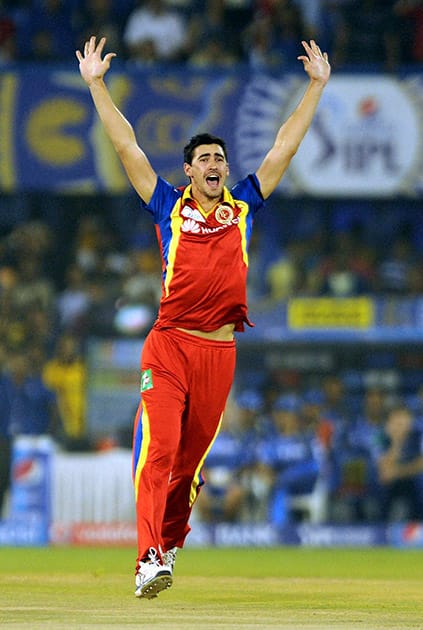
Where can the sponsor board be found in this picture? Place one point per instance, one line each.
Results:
(306, 313)
(31, 531)
(405, 535)
(233, 535)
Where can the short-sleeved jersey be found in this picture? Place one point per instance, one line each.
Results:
(204, 255)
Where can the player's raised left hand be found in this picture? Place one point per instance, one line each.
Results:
(316, 63)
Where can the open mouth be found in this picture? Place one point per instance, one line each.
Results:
(213, 181)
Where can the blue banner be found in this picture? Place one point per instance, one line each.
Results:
(52, 138)
(366, 137)
(30, 493)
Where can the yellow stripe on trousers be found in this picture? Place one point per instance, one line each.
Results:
(145, 422)
(196, 480)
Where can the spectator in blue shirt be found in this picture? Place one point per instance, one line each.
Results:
(401, 468)
(221, 498)
(33, 405)
(356, 459)
(290, 456)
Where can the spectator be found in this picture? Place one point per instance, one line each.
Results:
(33, 286)
(48, 33)
(410, 14)
(356, 455)
(72, 304)
(223, 495)
(285, 276)
(336, 407)
(289, 459)
(102, 17)
(33, 405)
(313, 418)
(142, 284)
(271, 38)
(212, 53)
(401, 468)
(340, 280)
(66, 375)
(161, 28)
(395, 270)
(312, 17)
(7, 38)
(253, 426)
(209, 34)
(367, 34)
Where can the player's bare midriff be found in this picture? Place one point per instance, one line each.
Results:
(224, 333)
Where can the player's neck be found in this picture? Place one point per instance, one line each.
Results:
(207, 203)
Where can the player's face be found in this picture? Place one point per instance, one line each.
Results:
(208, 171)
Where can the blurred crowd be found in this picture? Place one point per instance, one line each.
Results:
(59, 289)
(347, 464)
(339, 249)
(262, 33)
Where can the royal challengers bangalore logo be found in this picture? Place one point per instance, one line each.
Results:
(146, 380)
(224, 214)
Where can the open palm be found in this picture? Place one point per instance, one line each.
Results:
(316, 63)
(91, 65)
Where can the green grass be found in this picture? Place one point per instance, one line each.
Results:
(215, 588)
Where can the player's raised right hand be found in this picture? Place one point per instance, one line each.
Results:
(91, 65)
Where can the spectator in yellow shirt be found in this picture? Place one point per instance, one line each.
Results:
(66, 374)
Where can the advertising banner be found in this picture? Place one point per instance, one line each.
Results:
(365, 139)
(308, 313)
(30, 496)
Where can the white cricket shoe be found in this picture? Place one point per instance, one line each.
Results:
(169, 558)
(152, 577)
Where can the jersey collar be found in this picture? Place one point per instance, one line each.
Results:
(227, 197)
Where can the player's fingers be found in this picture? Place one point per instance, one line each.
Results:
(100, 45)
(315, 48)
(325, 56)
(91, 44)
(109, 57)
(308, 50)
(86, 46)
(78, 56)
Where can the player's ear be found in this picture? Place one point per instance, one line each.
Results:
(187, 169)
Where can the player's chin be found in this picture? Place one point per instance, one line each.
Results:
(214, 193)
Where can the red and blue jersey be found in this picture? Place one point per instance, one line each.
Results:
(204, 255)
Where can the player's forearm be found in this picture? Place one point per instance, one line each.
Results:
(117, 127)
(293, 130)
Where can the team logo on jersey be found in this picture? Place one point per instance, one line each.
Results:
(224, 214)
(192, 213)
(189, 225)
(146, 380)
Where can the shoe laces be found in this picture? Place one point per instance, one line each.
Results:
(153, 557)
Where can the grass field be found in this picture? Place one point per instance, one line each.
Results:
(214, 588)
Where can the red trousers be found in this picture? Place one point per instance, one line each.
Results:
(185, 382)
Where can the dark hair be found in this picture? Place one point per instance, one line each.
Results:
(202, 138)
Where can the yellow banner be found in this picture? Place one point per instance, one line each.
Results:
(305, 313)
